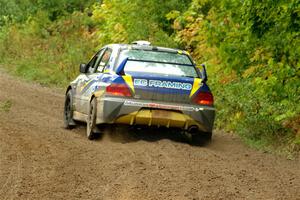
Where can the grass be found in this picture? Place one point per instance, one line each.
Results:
(5, 106)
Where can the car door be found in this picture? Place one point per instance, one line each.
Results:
(103, 66)
(84, 82)
(102, 75)
(97, 73)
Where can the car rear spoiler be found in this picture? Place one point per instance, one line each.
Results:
(120, 68)
(202, 72)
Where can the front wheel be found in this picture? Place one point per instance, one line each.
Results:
(91, 120)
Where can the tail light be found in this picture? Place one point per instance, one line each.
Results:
(204, 98)
(118, 90)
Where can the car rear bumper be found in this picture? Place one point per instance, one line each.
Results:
(141, 112)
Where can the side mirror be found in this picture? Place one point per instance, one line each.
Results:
(202, 71)
(82, 68)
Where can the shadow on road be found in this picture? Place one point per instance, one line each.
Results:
(128, 134)
(124, 134)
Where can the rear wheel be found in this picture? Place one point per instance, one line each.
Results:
(91, 120)
(68, 111)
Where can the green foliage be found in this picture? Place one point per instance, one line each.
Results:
(58, 8)
(19, 11)
(44, 51)
(5, 106)
(10, 11)
(51, 38)
(252, 50)
(125, 21)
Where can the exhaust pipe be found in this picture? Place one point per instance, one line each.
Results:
(193, 130)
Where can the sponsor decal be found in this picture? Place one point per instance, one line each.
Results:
(162, 106)
(128, 80)
(162, 84)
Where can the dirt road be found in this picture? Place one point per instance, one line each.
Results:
(41, 160)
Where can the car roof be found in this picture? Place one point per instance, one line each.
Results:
(146, 47)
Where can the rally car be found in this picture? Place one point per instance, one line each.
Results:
(141, 85)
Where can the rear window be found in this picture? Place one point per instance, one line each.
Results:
(156, 62)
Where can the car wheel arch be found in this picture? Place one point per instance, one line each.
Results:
(92, 97)
(69, 88)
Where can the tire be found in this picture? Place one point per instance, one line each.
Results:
(91, 120)
(68, 111)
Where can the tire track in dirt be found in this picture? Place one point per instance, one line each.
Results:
(8, 186)
(41, 160)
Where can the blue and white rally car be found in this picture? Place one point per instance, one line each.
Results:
(141, 85)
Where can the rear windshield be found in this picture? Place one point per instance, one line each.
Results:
(156, 62)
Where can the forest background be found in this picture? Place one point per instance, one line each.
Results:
(251, 49)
